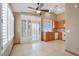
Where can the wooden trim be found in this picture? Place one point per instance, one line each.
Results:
(75, 54)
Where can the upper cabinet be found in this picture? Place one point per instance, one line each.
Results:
(59, 24)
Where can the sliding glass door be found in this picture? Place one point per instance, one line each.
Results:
(30, 31)
(35, 32)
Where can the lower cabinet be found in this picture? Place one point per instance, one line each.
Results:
(59, 35)
(48, 36)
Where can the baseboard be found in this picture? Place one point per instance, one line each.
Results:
(73, 53)
(63, 40)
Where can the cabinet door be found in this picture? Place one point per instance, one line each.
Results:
(47, 36)
(59, 35)
(44, 36)
(52, 36)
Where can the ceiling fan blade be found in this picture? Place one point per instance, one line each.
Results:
(45, 10)
(32, 8)
(39, 6)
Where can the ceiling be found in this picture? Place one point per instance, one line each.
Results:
(23, 7)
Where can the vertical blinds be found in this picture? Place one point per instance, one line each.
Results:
(5, 23)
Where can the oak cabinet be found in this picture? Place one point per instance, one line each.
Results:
(48, 36)
(59, 35)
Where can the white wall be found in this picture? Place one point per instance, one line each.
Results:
(17, 27)
(72, 23)
(60, 16)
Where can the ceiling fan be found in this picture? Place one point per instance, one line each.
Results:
(38, 8)
(40, 11)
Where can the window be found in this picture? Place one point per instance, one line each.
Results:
(47, 26)
(7, 25)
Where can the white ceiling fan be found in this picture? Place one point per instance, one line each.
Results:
(40, 11)
(38, 8)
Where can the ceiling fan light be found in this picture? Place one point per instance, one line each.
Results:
(38, 11)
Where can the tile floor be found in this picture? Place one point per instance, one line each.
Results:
(50, 48)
